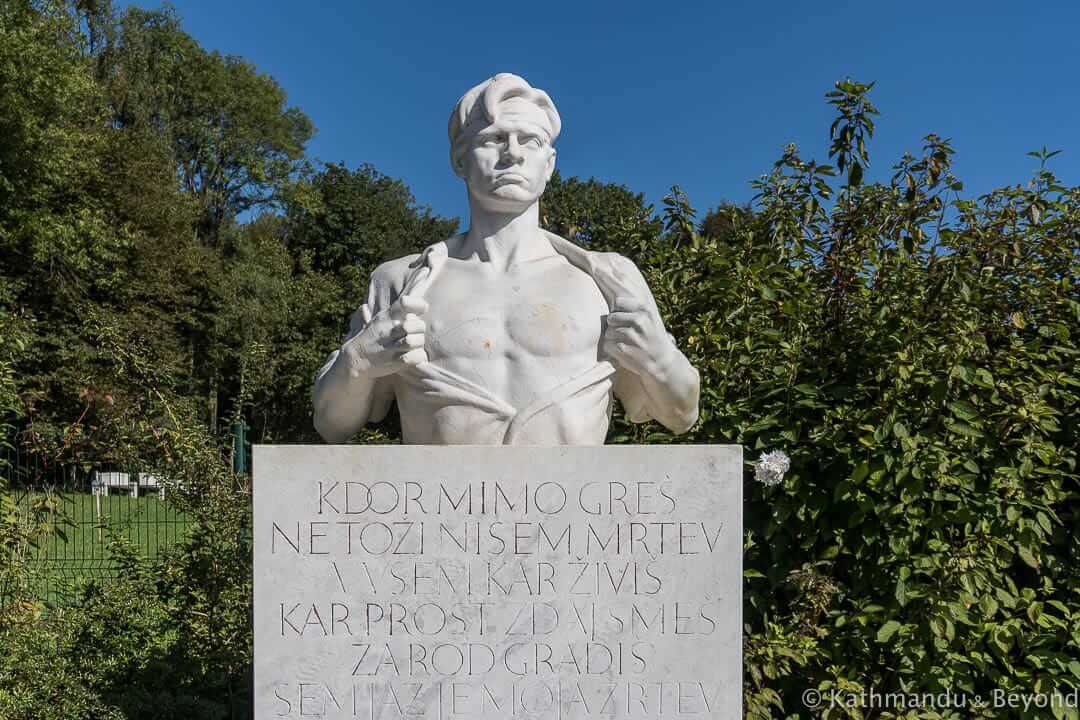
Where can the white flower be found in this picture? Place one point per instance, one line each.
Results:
(771, 467)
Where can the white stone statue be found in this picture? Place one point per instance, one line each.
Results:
(506, 334)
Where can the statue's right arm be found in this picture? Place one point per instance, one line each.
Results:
(345, 400)
(386, 335)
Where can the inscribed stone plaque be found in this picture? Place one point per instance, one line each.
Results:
(454, 583)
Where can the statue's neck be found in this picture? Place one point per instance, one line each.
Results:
(505, 239)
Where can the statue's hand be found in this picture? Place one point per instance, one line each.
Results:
(635, 337)
(390, 341)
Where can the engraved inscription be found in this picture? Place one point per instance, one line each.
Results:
(510, 585)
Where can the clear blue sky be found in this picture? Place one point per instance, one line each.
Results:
(703, 94)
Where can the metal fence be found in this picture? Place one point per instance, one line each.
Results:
(93, 506)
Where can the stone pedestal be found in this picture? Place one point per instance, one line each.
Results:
(476, 582)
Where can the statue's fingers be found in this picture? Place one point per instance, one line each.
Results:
(415, 357)
(619, 335)
(406, 305)
(626, 319)
(413, 324)
(634, 338)
(616, 350)
(610, 348)
(617, 319)
(413, 340)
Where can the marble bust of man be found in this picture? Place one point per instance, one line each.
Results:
(505, 334)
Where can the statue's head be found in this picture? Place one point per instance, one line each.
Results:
(501, 142)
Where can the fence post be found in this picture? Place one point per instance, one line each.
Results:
(240, 446)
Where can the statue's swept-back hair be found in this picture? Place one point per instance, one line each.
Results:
(477, 108)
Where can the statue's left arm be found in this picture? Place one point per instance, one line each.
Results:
(654, 379)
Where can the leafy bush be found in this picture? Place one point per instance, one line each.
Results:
(916, 355)
(169, 639)
(145, 646)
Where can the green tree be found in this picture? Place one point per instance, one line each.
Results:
(724, 222)
(599, 216)
(346, 222)
(234, 140)
(915, 353)
(58, 245)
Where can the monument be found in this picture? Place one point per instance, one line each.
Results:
(505, 334)
(553, 579)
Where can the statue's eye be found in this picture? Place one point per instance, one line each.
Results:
(531, 141)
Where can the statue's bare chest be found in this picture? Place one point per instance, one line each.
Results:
(547, 309)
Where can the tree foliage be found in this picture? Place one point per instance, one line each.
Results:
(233, 139)
(915, 353)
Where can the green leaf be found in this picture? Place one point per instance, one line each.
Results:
(886, 631)
(1027, 557)
(1043, 520)
(855, 175)
(963, 410)
(965, 429)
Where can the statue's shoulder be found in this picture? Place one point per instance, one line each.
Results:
(389, 279)
(394, 273)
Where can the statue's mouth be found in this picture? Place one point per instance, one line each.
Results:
(510, 178)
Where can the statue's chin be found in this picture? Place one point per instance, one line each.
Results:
(506, 198)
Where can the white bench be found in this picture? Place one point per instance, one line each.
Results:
(102, 483)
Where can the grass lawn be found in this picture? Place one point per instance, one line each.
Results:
(79, 548)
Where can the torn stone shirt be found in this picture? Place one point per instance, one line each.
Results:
(439, 407)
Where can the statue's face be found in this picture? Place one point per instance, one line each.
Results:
(509, 162)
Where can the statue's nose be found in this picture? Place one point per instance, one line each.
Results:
(513, 149)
